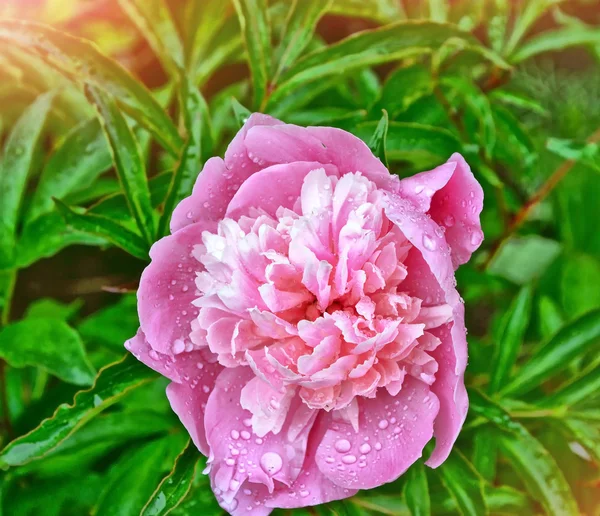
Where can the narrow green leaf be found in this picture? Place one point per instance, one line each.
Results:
(383, 11)
(195, 113)
(478, 103)
(583, 433)
(112, 383)
(202, 21)
(587, 154)
(154, 21)
(50, 344)
(554, 40)
(531, 11)
(577, 390)
(575, 338)
(83, 61)
(79, 159)
(422, 145)
(300, 26)
(531, 461)
(176, 485)
(337, 117)
(416, 491)
(241, 112)
(404, 86)
(438, 10)
(367, 48)
(485, 454)
(540, 473)
(518, 100)
(254, 21)
(510, 340)
(464, 484)
(132, 479)
(105, 228)
(128, 162)
(15, 167)
(378, 141)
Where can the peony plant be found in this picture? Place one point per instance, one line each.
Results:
(305, 309)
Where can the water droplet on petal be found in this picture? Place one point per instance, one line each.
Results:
(271, 463)
(429, 242)
(342, 445)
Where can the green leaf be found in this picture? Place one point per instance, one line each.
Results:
(378, 141)
(383, 11)
(404, 86)
(485, 454)
(514, 262)
(127, 157)
(575, 391)
(584, 433)
(47, 307)
(579, 280)
(540, 473)
(587, 154)
(133, 477)
(332, 116)
(531, 11)
(15, 167)
(203, 21)
(82, 61)
(514, 324)
(254, 21)
(518, 100)
(478, 103)
(175, 486)
(79, 159)
(46, 236)
(195, 113)
(299, 29)
(571, 341)
(368, 48)
(47, 343)
(422, 145)
(531, 461)
(241, 112)
(112, 383)
(416, 491)
(112, 325)
(464, 484)
(154, 21)
(105, 228)
(554, 40)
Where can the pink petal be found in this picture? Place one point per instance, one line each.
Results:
(430, 275)
(454, 199)
(236, 453)
(219, 180)
(167, 288)
(273, 187)
(392, 434)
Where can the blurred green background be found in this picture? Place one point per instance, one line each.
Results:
(98, 94)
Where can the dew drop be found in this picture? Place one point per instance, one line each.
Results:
(449, 221)
(365, 448)
(342, 446)
(429, 242)
(235, 434)
(383, 424)
(348, 459)
(271, 463)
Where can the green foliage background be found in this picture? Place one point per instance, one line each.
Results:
(106, 119)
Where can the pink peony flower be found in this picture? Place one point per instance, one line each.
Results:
(305, 309)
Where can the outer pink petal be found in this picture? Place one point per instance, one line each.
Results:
(454, 199)
(237, 454)
(431, 277)
(288, 143)
(188, 399)
(219, 179)
(273, 187)
(312, 487)
(393, 430)
(167, 288)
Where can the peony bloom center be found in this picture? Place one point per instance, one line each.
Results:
(311, 298)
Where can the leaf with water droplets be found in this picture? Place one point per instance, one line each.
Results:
(112, 383)
(242, 113)
(15, 168)
(176, 485)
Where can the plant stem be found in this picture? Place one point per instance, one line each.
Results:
(557, 176)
